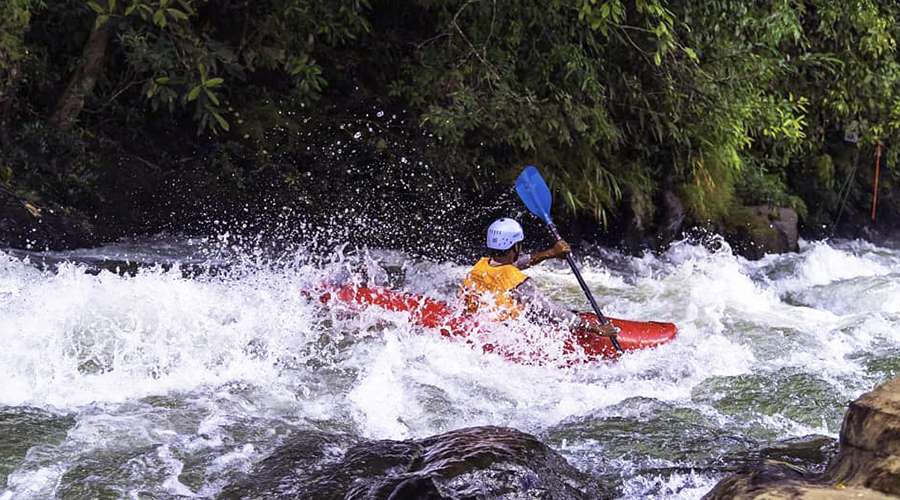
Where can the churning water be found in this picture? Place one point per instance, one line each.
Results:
(173, 379)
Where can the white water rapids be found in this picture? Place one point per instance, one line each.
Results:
(153, 383)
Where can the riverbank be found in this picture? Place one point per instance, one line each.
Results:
(353, 121)
(364, 175)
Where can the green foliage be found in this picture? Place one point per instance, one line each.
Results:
(859, 39)
(611, 94)
(726, 103)
(15, 16)
(725, 99)
(759, 187)
(533, 79)
(190, 55)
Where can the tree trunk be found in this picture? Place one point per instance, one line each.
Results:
(83, 80)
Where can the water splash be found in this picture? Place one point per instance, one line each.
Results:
(180, 375)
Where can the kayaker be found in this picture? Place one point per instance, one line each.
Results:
(497, 285)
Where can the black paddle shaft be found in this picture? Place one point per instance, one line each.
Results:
(571, 260)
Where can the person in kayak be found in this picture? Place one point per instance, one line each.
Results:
(497, 285)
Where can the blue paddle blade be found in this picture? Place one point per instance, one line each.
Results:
(534, 193)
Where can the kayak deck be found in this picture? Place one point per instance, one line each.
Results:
(434, 314)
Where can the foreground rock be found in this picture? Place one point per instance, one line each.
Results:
(478, 462)
(867, 464)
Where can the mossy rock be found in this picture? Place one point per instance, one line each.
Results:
(758, 230)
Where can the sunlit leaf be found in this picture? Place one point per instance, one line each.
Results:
(212, 97)
(194, 93)
(159, 18)
(221, 120)
(96, 7)
(177, 14)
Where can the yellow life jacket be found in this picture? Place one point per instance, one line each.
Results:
(496, 281)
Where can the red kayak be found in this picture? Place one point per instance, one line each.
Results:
(578, 345)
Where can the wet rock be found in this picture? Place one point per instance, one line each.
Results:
(673, 217)
(477, 462)
(810, 453)
(776, 480)
(30, 224)
(759, 230)
(638, 217)
(867, 464)
(752, 481)
(870, 442)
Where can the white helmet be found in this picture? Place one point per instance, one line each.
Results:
(503, 233)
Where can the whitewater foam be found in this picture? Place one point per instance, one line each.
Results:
(211, 371)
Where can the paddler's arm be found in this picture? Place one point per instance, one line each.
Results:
(557, 251)
(542, 308)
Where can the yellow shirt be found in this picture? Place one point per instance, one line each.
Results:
(496, 281)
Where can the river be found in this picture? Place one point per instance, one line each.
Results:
(167, 366)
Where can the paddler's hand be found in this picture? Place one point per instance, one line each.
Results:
(560, 250)
(607, 330)
(557, 251)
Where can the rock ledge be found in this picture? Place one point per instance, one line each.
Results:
(867, 464)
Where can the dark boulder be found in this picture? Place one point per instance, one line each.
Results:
(671, 224)
(759, 230)
(477, 462)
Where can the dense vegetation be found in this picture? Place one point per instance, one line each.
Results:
(722, 104)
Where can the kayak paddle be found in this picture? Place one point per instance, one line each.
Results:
(536, 195)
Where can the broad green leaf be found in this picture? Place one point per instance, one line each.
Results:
(96, 7)
(212, 97)
(692, 55)
(159, 19)
(177, 14)
(221, 120)
(194, 93)
(213, 82)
